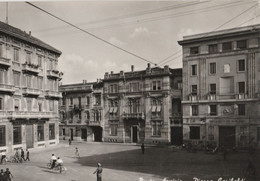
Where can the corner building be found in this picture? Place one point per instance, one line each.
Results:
(221, 75)
(143, 106)
(81, 111)
(28, 91)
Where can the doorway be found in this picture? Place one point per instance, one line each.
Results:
(227, 136)
(29, 136)
(134, 134)
(84, 134)
(71, 134)
(176, 136)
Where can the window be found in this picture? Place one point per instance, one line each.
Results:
(16, 105)
(194, 50)
(50, 65)
(156, 128)
(40, 61)
(1, 103)
(88, 100)
(113, 129)
(194, 132)
(40, 129)
(29, 81)
(29, 105)
(193, 69)
(71, 101)
(98, 100)
(87, 115)
(40, 81)
(1, 50)
(213, 110)
(213, 48)
(227, 46)
(51, 103)
(52, 131)
(40, 106)
(227, 68)
(134, 106)
(241, 87)
(16, 77)
(193, 89)
(241, 65)
(2, 136)
(258, 134)
(79, 100)
(17, 135)
(212, 88)
(113, 88)
(16, 55)
(28, 57)
(212, 68)
(242, 44)
(2, 76)
(241, 109)
(156, 85)
(134, 87)
(194, 110)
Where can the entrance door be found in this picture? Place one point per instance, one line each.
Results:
(176, 136)
(84, 134)
(71, 134)
(29, 136)
(97, 130)
(134, 134)
(227, 136)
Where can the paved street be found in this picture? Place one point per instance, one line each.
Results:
(125, 162)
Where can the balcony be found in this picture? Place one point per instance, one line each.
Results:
(31, 92)
(30, 68)
(7, 88)
(193, 97)
(4, 62)
(176, 114)
(54, 74)
(175, 121)
(86, 106)
(113, 117)
(93, 123)
(31, 115)
(134, 115)
(241, 96)
(211, 97)
(53, 94)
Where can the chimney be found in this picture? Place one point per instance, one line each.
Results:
(111, 72)
(132, 68)
(106, 75)
(166, 68)
(30, 33)
(84, 81)
(148, 69)
(148, 65)
(121, 73)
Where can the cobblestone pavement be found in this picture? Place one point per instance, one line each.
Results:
(126, 163)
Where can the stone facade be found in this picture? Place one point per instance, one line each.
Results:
(138, 106)
(81, 112)
(28, 91)
(221, 87)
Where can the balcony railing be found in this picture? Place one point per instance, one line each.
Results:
(31, 91)
(53, 94)
(113, 117)
(5, 62)
(53, 74)
(175, 121)
(30, 68)
(134, 115)
(93, 123)
(7, 88)
(193, 97)
(211, 97)
(176, 114)
(31, 115)
(241, 96)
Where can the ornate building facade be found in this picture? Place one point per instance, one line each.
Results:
(81, 111)
(221, 75)
(143, 106)
(28, 91)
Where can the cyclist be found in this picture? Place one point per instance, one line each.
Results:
(53, 161)
(59, 163)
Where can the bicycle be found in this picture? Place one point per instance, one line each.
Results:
(60, 169)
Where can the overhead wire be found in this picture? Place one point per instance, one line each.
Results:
(95, 36)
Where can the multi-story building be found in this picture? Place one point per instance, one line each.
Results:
(28, 91)
(143, 106)
(81, 110)
(221, 75)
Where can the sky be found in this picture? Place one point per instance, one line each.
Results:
(149, 30)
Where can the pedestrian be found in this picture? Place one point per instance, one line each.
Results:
(22, 155)
(142, 148)
(2, 176)
(76, 152)
(3, 157)
(98, 171)
(17, 156)
(8, 175)
(69, 141)
(27, 155)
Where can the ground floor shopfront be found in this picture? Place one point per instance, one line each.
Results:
(223, 132)
(27, 133)
(81, 133)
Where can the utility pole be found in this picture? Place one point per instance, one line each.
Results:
(6, 21)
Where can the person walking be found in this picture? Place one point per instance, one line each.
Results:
(69, 141)
(27, 155)
(3, 158)
(2, 175)
(76, 152)
(8, 175)
(142, 148)
(22, 155)
(98, 171)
